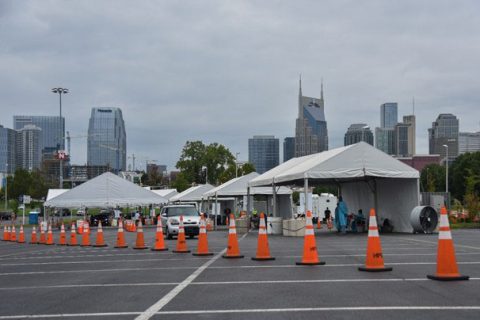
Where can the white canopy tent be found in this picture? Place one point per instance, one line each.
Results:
(193, 194)
(238, 187)
(367, 178)
(105, 191)
(52, 193)
(165, 193)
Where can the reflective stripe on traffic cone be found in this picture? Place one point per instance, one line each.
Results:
(140, 241)
(159, 240)
(73, 236)
(120, 236)
(85, 235)
(374, 259)
(43, 240)
(63, 237)
(13, 234)
(447, 269)
(263, 251)
(310, 254)
(49, 241)
(21, 235)
(100, 242)
(33, 238)
(181, 242)
(202, 248)
(233, 250)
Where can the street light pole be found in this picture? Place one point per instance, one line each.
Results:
(6, 186)
(446, 168)
(236, 164)
(61, 91)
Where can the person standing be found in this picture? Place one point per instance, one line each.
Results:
(342, 215)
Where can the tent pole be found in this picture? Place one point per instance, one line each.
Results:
(305, 187)
(375, 197)
(248, 202)
(418, 192)
(216, 210)
(274, 200)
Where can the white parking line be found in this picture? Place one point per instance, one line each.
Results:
(147, 314)
(93, 261)
(239, 311)
(219, 267)
(425, 241)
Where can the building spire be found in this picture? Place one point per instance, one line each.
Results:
(300, 83)
(321, 90)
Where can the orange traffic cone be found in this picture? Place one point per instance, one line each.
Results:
(159, 241)
(42, 235)
(374, 260)
(63, 237)
(13, 234)
(85, 235)
(233, 250)
(100, 242)
(9, 233)
(181, 242)
(263, 251)
(319, 223)
(310, 254)
(21, 235)
(120, 236)
(73, 236)
(447, 269)
(140, 241)
(49, 236)
(33, 239)
(202, 248)
(6, 235)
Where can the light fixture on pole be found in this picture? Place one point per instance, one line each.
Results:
(6, 186)
(61, 153)
(206, 173)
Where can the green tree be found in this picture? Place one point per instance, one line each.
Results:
(197, 160)
(232, 171)
(191, 161)
(471, 198)
(463, 167)
(38, 188)
(20, 184)
(180, 183)
(325, 189)
(432, 178)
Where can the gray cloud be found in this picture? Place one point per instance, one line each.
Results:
(223, 71)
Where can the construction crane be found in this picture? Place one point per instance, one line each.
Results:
(68, 137)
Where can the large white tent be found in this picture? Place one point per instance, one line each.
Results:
(238, 187)
(194, 194)
(166, 193)
(367, 178)
(106, 190)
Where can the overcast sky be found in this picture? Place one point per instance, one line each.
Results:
(223, 71)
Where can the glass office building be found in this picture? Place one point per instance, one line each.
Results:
(444, 131)
(7, 150)
(107, 140)
(288, 148)
(358, 132)
(388, 115)
(52, 130)
(263, 152)
(28, 147)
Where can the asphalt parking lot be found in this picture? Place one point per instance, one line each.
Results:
(38, 281)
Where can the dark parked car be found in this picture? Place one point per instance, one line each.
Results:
(103, 217)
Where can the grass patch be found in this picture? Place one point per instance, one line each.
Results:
(465, 225)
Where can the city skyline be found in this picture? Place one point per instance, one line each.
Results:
(245, 63)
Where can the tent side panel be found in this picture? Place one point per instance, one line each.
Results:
(357, 195)
(396, 200)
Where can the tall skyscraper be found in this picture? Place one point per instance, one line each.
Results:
(311, 134)
(288, 148)
(358, 132)
(468, 142)
(385, 140)
(28, 147)
(401, 139)
(52, 130)
(107, 140)
(263, 152)
(385, 135)
(412, 134)
(7, 150)
(444, 131)
(388, 115)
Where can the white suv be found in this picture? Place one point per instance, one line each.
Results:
(171, 219)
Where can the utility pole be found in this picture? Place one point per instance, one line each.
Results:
(61, 91)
